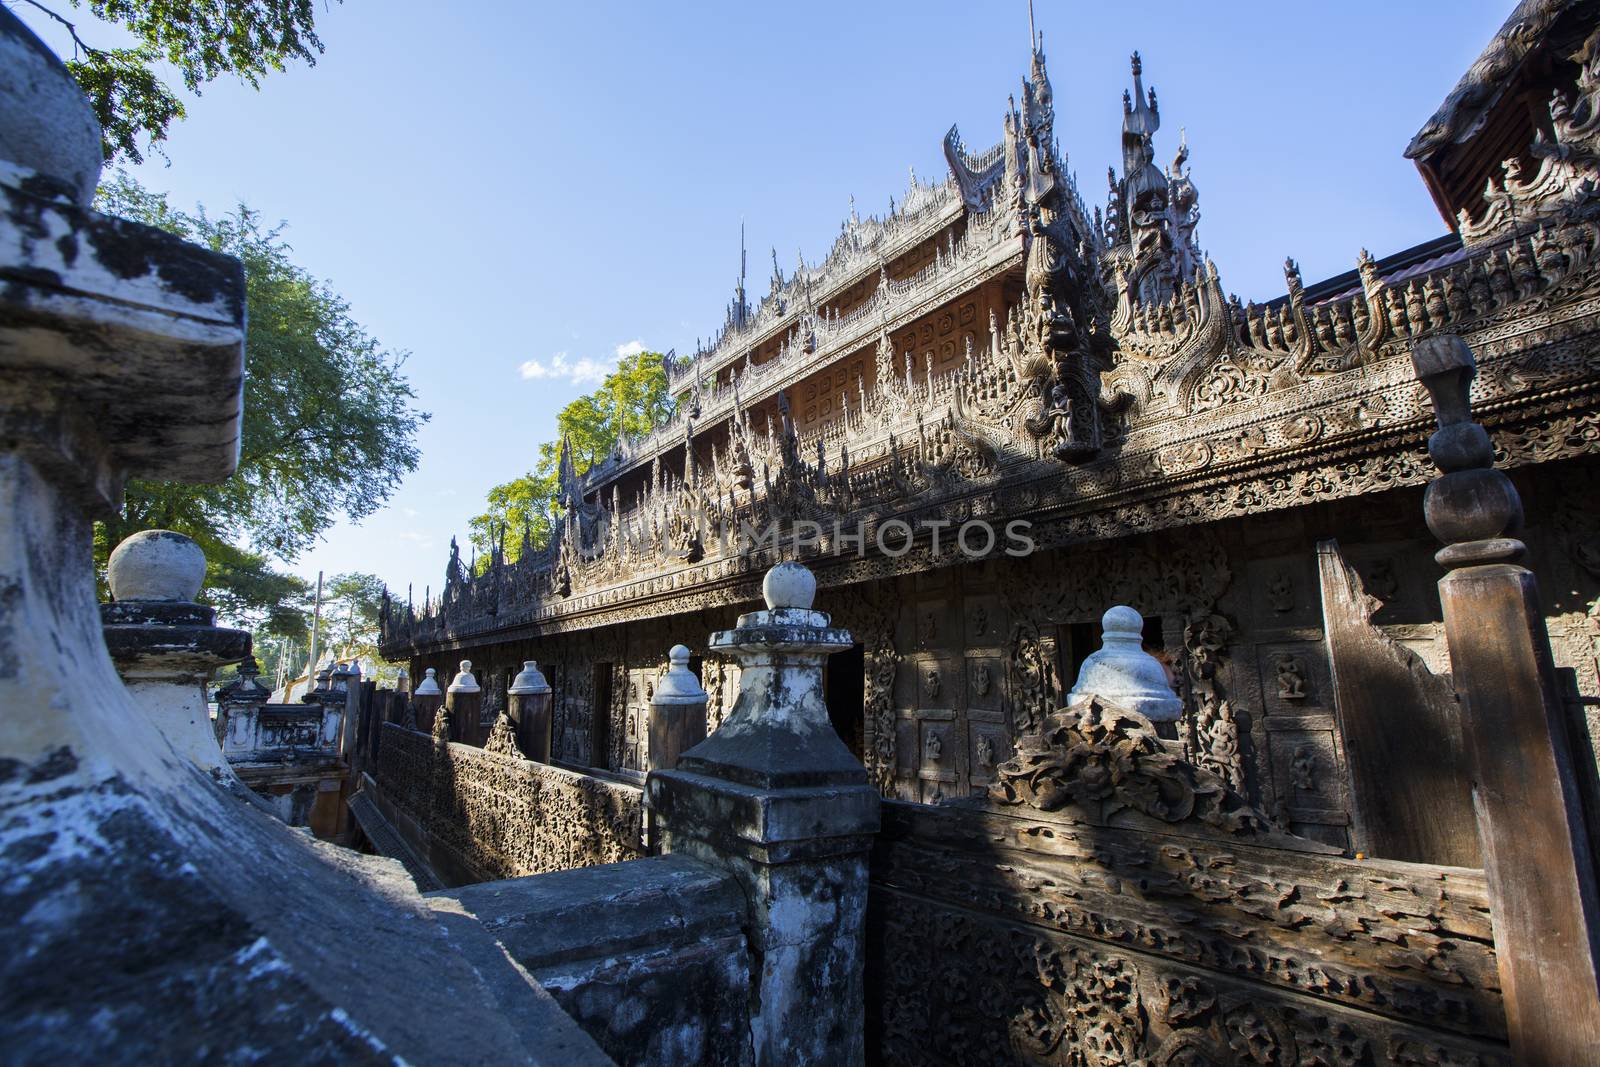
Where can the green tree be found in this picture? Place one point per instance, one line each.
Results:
(631, 400)
(350, 605)
(201, 39)
(329, 425)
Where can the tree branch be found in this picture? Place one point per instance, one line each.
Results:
(78, 43)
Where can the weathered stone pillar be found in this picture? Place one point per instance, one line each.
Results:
(677, 712)
(774, 797)
(151, 915)
(464, 700)
(238, 705)
(529, 703)
(166, 646)
(1542, 883)
(347, 687)
(425, 702)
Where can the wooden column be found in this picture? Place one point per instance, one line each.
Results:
(425, 702)
(1541, 875)
(529, 702)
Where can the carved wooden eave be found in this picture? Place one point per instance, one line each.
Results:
(1337, 435)
(821, 342)
(1462, 112)
(974, 219)
(1494, 112)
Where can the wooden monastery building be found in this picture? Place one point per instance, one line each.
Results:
(1248, 476)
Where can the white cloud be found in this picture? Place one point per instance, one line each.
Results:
(583, 371)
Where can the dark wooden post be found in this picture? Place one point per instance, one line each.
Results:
(1541, 875)
(528, 702)
(464, 698)
(677, 713)
(425, 702)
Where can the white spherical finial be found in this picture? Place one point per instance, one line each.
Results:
(789, 585)
(678, 685)
(429, 686)
(1122, 621)
(1123, 674)
(464, 681)
(157, 565)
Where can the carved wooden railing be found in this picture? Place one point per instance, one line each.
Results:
(476, 815)
(1116, 905)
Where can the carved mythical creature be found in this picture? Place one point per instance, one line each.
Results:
(1102, 760)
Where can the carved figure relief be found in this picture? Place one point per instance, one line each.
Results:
(1303, 769)
(982, 682)
(932, 682)
(1280, 591)
(1291, 677)
(985, 753)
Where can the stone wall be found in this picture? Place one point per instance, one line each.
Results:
(649, 956)
(474, 815)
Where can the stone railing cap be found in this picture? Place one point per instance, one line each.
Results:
(530, 681)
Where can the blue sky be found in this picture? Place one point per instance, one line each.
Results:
(498, 187)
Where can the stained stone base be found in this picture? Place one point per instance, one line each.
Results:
(800, 855)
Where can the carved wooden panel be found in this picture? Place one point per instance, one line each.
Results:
(496, 816)
(952, 686)
(1030, 939)
(635, 740)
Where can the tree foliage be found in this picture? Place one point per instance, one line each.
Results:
(329, 425)
(350, 605)
(201, 39)
(631, 400)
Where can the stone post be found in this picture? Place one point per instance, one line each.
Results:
(529, 702)
(464, 699)
(166, 646)
(348, 689)
(677, 712)
(238, 705)
(425, 702)
(774, 797)
(1542, 885)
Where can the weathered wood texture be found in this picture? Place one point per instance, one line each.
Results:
(1541, 874)
(1031, 938)
(1410, 792)
(466, 713)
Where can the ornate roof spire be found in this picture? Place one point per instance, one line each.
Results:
(1140, 117)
